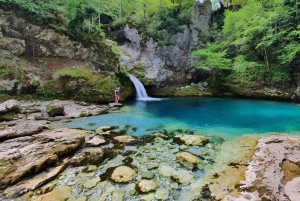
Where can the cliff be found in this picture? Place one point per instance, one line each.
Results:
(168, 64)
(32, 58)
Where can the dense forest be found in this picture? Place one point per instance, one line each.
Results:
(250, 41)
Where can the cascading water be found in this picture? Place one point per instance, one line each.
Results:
(140, 90)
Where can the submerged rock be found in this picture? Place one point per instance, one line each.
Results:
(188, 160)
(195, 140)
(183, 177)
(91, 183)
(125, 139)
(62, 193)
(123, 174)
(146, 186)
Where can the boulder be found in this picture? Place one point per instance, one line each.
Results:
(195, 140)
(187, 159)
(96, 141)
(146, 186)
(55, 108)
(10, 105)
(123, 174)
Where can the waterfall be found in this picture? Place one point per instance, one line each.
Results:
(140, 90)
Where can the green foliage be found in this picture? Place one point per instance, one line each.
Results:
(212, 57)
(259, 42)
(75, 73)
(192, 91)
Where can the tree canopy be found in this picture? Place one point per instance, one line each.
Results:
(260, 38)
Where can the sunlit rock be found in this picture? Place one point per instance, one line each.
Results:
(96, 141)
(187, 159)
(146, 186)
(195, 140)
(123, 174)
(62, 193)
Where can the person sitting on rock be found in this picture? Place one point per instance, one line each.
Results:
(117, 95)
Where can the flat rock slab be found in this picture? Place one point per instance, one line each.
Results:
(265, 171)
(10, 105)
(33, 183)
(115, 105)
(25, 128)
(32, 154)
(62, 193)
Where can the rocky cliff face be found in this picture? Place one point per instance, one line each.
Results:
(30, 55)
(168, 65)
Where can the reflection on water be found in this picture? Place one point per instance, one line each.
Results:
(210, 116)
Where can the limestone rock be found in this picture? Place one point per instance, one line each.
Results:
(292, 189)
(62, 193)
(35, 182)
(5, 132)
(10, 106)
(151, 166)
(125, 139)
(93, 157)
(49, 146)
(55, 108)
(96, 141)
(91, 183)
(274, 154)
(147, 175)
(146, 186)
(123, 174)
(187, 159)
(182, 176)
(195, 140)
(105, 128)
(166, 171)
(25, 128)
(162, 194)
(118, 195)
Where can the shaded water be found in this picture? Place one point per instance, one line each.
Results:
(225, 117)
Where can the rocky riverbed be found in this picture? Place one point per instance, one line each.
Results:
(38, 162)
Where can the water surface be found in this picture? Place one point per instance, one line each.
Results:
(226, 117)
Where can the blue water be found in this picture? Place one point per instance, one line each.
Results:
(224, 117)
